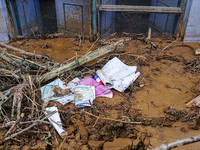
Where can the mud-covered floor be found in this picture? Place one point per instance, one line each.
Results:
(168, 80)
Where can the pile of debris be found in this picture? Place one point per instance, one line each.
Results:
(35, 89)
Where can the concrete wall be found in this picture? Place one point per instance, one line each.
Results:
(3, 22)
(192, 24)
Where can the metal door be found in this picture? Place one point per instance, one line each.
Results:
(3, 22)
(165, 22)
(107, 19)
(28, 17)
(72, 16)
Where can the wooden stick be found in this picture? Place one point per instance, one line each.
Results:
(177, 143)
(35, 123)
(130, 122)
(149, 34)
(20, 50)
(9, 60)
(194, 102)
(26, 62)
(61, 145)
(171, 44)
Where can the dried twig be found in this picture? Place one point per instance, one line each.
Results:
(20, 50)
(35, 123)
(177, 143)
(110, 119)
(61, 145)
(171, 44)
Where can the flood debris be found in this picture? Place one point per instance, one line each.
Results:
(57, 91)
(84, 95)
(115, 74)
(55, 120)
(194, 102)
(88, 103)
(197, 51)
(178, 143)
(100, 90)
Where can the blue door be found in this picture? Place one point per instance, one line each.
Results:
(73, 16)
(107, 19)
(28, 17)
(165, 22)
(3, 23)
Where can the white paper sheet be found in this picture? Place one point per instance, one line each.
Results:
(55, 120)
(115, 74)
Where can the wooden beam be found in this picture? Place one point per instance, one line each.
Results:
(180, 29)
(141, 9)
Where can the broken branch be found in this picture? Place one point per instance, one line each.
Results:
(19, 50)
(178, 143)
(35, 123)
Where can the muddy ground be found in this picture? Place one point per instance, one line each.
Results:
(168, 80)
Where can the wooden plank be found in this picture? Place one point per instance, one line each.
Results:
(140, 9)
(180, 29)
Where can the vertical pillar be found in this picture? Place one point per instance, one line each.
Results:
(94, 19)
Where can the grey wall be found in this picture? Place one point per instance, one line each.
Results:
(192, 23)
(3, 22)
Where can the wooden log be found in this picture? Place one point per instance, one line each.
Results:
(180, 28)
(178, 143)
(20, 50)
(140, 9)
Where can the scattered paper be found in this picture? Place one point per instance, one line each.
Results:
(115, 74)
(84, 95)
(100, 90)
(55, 120)
(47, 91)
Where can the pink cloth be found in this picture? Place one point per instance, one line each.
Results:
(100, 90)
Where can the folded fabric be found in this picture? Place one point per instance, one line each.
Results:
(100, 90)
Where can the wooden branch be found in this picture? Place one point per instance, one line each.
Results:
(35, 123)
(26, 62)
(20, 50)
(194, 102)
(180, 28)
(110, 119)
(177, 143)
(9, 60)
(140, 9)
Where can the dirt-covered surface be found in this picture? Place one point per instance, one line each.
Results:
(168, 80)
